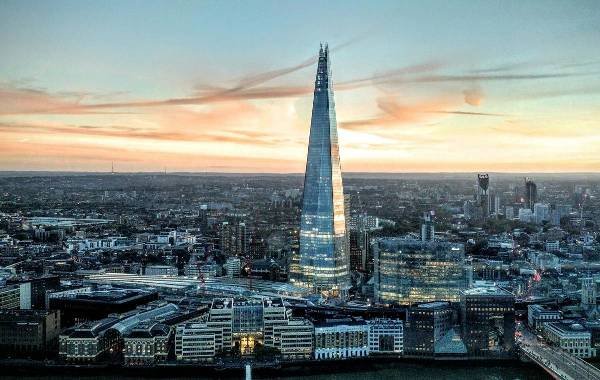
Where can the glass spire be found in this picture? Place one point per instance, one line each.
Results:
(323, 263)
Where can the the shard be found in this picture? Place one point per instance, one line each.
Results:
(323, 260)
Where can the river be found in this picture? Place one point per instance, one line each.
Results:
(379, 371)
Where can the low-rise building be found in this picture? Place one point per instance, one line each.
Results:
(538, 315)
(294, 339)
(198, 342)
(146, 344)
(341, 338)
(571, 337)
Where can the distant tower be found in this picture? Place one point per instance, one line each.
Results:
(530, 193)
(588, 293)
(112, 167)
(483, 196)
(324, 262)
(428, 226)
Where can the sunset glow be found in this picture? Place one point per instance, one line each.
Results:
(150, 87)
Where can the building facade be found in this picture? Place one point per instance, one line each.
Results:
(408, 271)
(386, 336)
(488, 320)
(539, 315)
(28, 333)
(426, 325)
(571, 337)
(341, 338)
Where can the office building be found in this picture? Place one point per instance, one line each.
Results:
(39, 287)
(324, 262)
(573, 338)
(341, 338)
(28, 333)
(488, 320)
(16, 296)
(386, 336)
(539, 315)
(409, 271)
(426, 325)
(241, 325)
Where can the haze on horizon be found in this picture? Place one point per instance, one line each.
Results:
(227, 86)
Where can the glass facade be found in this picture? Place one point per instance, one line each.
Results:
(409, 271)
(323, 263)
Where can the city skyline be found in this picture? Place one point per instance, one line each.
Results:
(496, 87)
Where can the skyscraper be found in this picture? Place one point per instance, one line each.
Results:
(530, 193)
(483, 196)
(324, 259)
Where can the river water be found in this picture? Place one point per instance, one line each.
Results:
(379, 371)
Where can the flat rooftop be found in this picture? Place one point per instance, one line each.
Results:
(487, 291)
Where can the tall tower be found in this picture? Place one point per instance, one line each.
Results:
(588, 293)
(483, 196)
(324, 260)
(530, 193)
(428, 226)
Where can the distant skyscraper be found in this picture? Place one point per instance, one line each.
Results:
(324, 259)
(483, 196)
(428, 226)
(530, 193)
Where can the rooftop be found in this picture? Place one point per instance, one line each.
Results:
(487, 291)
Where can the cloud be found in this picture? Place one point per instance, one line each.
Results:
(395, 113)
(473, 95)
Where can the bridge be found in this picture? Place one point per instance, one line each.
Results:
(558, 363)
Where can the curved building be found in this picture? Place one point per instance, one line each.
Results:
(323, 262)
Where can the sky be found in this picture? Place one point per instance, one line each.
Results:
(226, 86)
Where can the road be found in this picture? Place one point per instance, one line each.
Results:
(560, 364)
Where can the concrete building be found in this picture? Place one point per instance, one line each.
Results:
(146, 344)
(294, 339)
(571, 337)
(198, 342)
(539, 315)
(341, 338)
(95, 340)
(386, 336)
